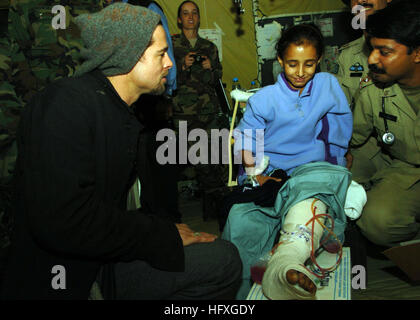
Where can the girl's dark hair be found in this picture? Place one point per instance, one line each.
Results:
(300, 34)
(399, 21)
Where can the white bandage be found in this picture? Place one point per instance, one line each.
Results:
(355, 200)
(240, 95)
(292, 253)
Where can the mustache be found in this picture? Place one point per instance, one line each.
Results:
(375, 69)
(366, 5)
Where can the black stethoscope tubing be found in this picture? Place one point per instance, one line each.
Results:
(388, 137)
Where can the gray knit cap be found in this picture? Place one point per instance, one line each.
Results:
(115, 37)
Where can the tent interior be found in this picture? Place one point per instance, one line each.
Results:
(245, 32)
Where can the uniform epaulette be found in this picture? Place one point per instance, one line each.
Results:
(348, 45)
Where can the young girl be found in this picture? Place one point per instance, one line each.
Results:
(306, 124)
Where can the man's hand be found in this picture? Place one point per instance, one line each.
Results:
(188, 60)
(206, 64)
(189, 237)
(349, 158)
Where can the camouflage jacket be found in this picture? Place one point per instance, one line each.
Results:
(10, 107)
(32, 55)
(45, 54)
(196, 94)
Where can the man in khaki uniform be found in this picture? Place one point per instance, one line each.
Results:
(388, 106)
(353, 67)
(353, 58)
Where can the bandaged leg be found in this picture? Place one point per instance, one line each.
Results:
(285, 277)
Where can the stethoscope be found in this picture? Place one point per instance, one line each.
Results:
(388, 137)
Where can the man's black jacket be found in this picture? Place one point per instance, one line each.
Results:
(77, 149)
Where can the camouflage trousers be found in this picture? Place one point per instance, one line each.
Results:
(208, 175)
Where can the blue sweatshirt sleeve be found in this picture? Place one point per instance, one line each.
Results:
(340, 122)
(249, 134)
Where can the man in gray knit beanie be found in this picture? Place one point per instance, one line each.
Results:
(115, 37)
(77, 158)
(116, 41)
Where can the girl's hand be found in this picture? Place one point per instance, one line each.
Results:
(263, 179)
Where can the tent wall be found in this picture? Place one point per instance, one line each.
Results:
(239, 49)
(274, 7)
(239, 46)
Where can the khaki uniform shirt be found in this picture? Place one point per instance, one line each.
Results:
(353, 66)
(403, 123)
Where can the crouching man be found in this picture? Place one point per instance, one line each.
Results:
(76, 162)
(388, 107)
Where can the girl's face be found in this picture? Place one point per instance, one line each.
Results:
(299, 64)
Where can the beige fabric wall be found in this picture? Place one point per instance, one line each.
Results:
(275, 7)
(239, 48)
